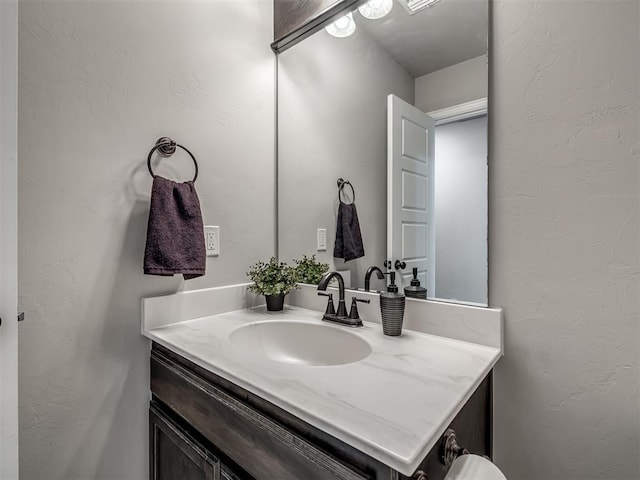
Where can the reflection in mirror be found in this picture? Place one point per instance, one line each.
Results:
(398, 109)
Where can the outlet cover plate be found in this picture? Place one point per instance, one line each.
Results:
(212, 240)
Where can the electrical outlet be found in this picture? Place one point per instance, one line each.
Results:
(322, 239)
(212, 240)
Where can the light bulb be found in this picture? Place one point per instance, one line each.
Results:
(375, 9)
(342, 27)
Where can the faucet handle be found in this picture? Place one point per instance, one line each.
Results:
(331, 310)
(353, 313)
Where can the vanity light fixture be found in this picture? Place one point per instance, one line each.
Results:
(342, 27)
(414, 6)
(375, 9)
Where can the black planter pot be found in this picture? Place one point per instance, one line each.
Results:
(275, 303)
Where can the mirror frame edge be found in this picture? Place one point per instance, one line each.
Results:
(323, 18)
(308, 25)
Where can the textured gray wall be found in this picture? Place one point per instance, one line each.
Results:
(563, 237)
(100, 81)
(332, 108)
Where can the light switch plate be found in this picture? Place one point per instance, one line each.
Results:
(212, 240)
(322, 239)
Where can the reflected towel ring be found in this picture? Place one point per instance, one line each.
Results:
(167, 147)
(341, 184)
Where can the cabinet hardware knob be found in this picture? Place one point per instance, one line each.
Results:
(449, 448)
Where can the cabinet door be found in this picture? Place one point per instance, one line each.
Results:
(175, 455)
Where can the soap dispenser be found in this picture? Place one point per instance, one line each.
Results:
(392, 308)
(415, 290)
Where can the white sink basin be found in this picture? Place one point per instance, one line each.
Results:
(300, 342)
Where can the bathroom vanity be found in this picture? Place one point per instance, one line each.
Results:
(239, 393)
(202, 426)
(230, 400)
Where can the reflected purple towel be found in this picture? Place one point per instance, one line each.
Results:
(348, 237)
(175, 232)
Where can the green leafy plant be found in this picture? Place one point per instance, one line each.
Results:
(272, 278)
(309, 270)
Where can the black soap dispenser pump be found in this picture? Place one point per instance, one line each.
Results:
(392, 308)
(415, 290)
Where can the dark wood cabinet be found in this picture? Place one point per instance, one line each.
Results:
(177, 452)
(205, 427)
(227, 474)
(174, 454)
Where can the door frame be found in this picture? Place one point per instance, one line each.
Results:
(8, 239)
(462, 111)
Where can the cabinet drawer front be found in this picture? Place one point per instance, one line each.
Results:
(174, 454)
(257, 444)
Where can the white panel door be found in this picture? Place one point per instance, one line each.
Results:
(410, 168)
(8, 242)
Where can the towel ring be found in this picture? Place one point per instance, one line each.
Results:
(167, 147)
(341, 184)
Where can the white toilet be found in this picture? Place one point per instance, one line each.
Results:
(464, 465)
(473, 467)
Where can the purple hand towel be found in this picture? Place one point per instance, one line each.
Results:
(348, 237)
(175, 232)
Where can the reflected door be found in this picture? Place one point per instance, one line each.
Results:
(410, 174)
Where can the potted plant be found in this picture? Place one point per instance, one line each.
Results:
(274, 280)
(309, 270)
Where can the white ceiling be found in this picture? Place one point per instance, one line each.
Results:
(447, 33)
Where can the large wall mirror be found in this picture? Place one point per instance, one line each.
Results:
(398, 108)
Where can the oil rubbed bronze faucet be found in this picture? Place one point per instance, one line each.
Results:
(339, 316)
(367, 276)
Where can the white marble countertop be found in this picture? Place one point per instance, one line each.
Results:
(393, 405)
